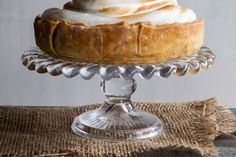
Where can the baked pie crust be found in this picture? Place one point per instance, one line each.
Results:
(120, 43)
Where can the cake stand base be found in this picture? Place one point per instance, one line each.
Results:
(117, 119)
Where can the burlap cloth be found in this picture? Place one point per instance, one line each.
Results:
(190, 129)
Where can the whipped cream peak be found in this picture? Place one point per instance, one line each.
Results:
(98, 12)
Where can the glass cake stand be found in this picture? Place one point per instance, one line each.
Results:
(117, 119)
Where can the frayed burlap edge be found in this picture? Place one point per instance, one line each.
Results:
(226, 121)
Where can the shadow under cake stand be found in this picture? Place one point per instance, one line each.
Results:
(117, 119)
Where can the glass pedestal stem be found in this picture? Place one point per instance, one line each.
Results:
(118, 93)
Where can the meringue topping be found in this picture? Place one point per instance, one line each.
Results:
(121, 8)
(97, 12)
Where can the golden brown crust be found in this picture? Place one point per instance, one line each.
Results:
(44, 34)
(119, 43)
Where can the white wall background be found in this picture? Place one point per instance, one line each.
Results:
(19, 86)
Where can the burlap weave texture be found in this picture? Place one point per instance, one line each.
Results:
(190, 128)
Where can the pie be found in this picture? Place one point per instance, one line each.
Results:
(119, 31)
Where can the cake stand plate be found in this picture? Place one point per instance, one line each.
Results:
(117, 119)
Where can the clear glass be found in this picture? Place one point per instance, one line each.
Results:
(117, 119)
